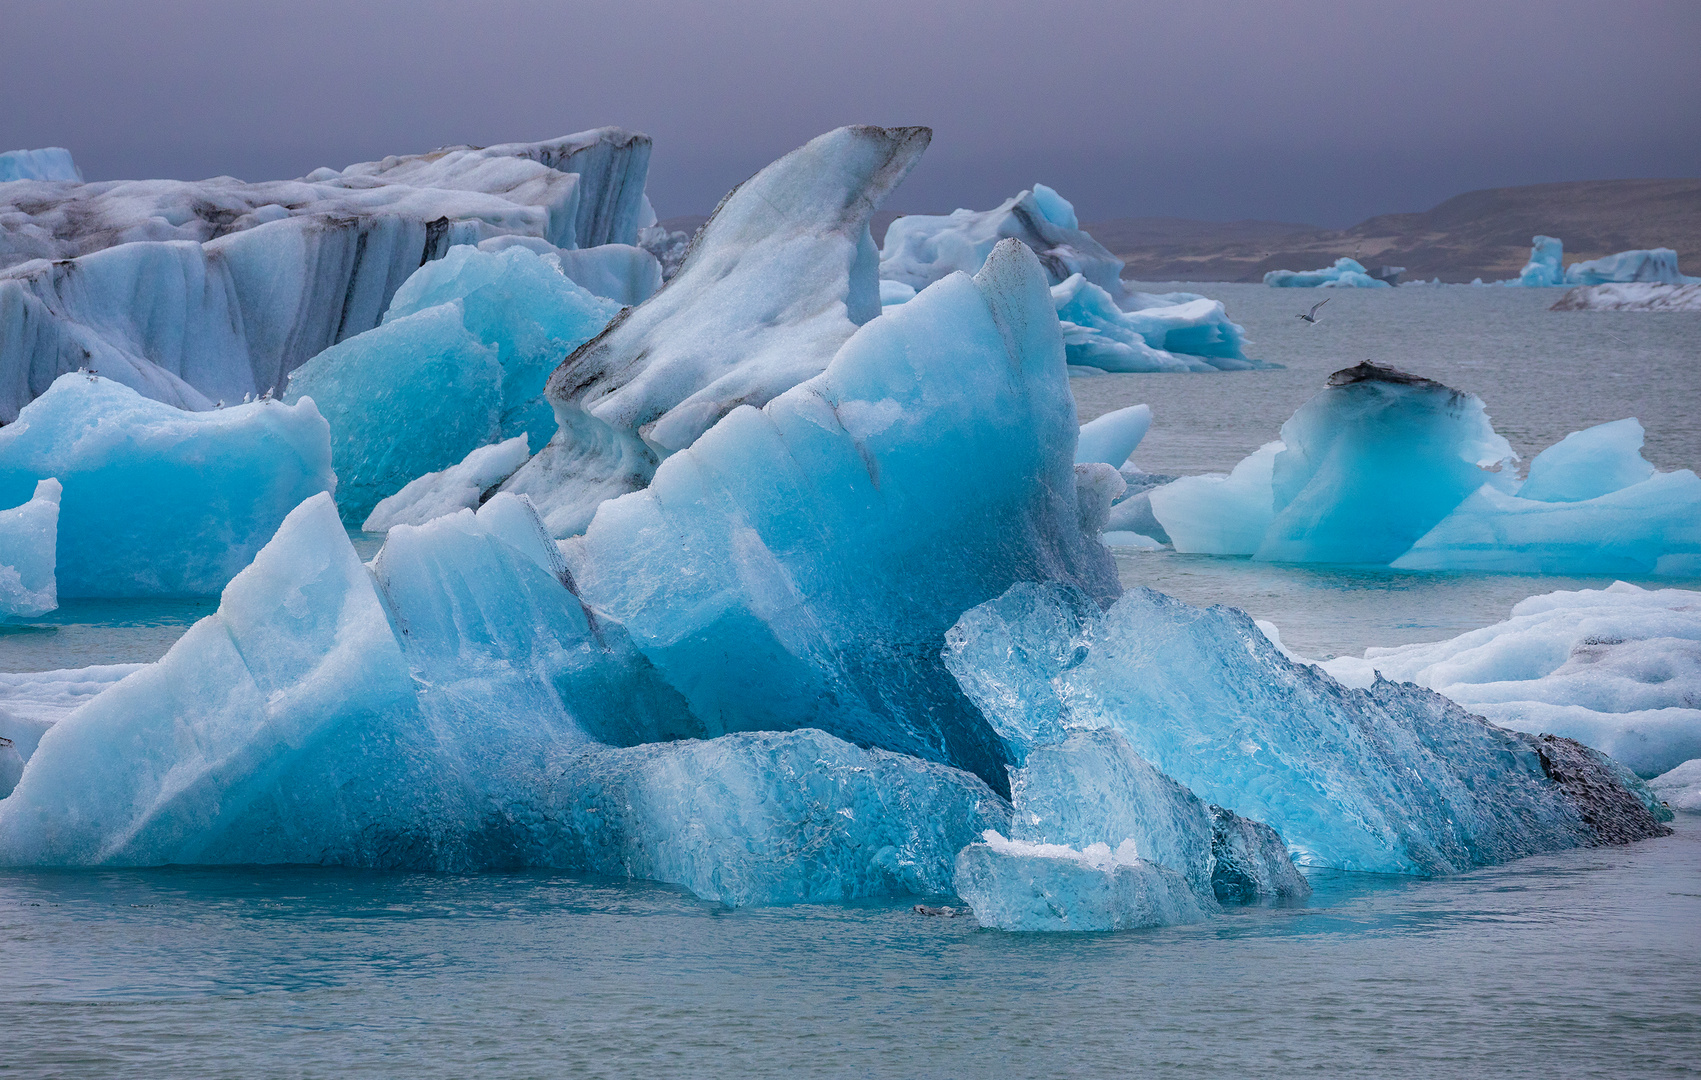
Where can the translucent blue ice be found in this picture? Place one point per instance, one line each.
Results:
(783, 571)
(1390, 779)
(460, 361)
(1112, 438)
(158, 501)
(1543, 269)
(1588, 463)
(49, 163)
(1344, 274)
(1191, 334)
(28, 535)
(1658, 265)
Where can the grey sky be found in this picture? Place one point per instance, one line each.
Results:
(1322, 112)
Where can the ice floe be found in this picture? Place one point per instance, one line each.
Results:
(1346, 273)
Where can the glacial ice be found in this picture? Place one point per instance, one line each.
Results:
(52, 163)
(199, 292)
(1543, 270)
(1589, 463)
(459, 362)
(1631, 297)
(1013, 885)
(920, 249)
(777, 279)
(1217, 513)
(1618, 669)
(158, 501)
(1681, 787)
(1344, 274)
(1391, 779)
(425, 713)
(28, 535)
(623, 273)
(459, 487)
(789, 537)
(1183, 332)
(1656, 266)
(1112, 438)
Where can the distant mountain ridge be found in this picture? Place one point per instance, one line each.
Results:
(1482, 234)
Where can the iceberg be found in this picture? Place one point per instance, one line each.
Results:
(1617, 669)
(1543, 269)
(794, 537)
(28, 539)
(777, 279)
(1219, 513)
(1631, 297)
(1344, 274)
(920, 249)
(1389, 779)
(52, 163)
(1587, 464)
(426, 713)
(623, 273)
(459, 487)
(158, 501)
(1112, 438)
(194, 293)
(1680, 788)
(1012, 885)
(459, 362)
(1656, 266)
(1181, 332)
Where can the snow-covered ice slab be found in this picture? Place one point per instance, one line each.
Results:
(461, 486)
(28, 539)
(52, 163)
(1344, 274)
(779, 277)
(1681, 787)
(1392, 778)
(198, 292)
(789, 569)
(158, 501)
(1631, 297)
(1618, 669)
(920, 249)
(459, 362)
(1181, 332)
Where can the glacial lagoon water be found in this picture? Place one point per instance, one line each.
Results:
(1579, 964)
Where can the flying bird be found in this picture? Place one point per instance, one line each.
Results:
(1311, 316)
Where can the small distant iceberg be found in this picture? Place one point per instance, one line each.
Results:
(1345, 274)
(50, 163)
(1646, 266)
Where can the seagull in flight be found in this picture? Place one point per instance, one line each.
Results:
(1311, 316)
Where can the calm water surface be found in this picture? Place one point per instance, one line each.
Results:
(1581, 964)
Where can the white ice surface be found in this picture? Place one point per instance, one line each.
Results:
(28, 540)
(458, 487)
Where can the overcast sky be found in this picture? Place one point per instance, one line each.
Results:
(1319, 112)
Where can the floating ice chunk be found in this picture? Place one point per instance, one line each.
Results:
(1543, 269)
(1658, 266)
(1362, 471)
(51, 163)
(767, 818)
(158, 501)
(1013, 885)
(1391, 779)
(1618, 669)
(920, 249)
(460, 486)
(1681, 787)
(1218, 513)
(1631, 297)
(1344, 274)
(1192, 335)
(1650, 528)
(460, 361)
(776, 280)
(625, 274)
(789, 537)
(1588, 463)
(28, 536)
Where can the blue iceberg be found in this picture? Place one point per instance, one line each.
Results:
(1390, 779)
(1178, 332)
(459, 362)
(1649, 266)
(1543, 270)
(28, 541)
(1344, 274)
(158, 501)
(52, 163)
